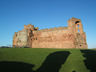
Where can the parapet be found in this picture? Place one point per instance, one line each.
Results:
(54, 29)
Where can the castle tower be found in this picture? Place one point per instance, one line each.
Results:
(75, 26)
(23, 37)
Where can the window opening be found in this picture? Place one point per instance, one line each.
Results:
(78, 30)
(80, 45)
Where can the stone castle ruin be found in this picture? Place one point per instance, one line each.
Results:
(72, 36)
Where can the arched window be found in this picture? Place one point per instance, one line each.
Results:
(77, 22)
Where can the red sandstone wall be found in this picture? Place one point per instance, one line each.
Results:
(53, 39)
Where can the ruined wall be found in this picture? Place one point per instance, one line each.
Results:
(53, 39)
(23, 38)
(20, 38)
(76, 28)
(81, 41)
(72, 36)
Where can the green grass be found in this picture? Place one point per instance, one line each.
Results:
(61, 60)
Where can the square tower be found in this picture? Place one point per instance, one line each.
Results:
(75, 26)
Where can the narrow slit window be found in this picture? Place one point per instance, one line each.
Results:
(78, 25)
(78, 30)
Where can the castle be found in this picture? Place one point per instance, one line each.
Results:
(72, 36)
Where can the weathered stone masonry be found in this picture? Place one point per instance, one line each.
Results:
(72, 36)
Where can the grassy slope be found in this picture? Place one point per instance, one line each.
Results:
(74, 62)
(33, 56)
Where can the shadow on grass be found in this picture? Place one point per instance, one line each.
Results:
(74, 71)
(90, 60)
(54, 61)
(9, 66)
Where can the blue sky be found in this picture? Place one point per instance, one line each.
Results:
(14, 14)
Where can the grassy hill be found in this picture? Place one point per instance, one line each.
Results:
(47, 60)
